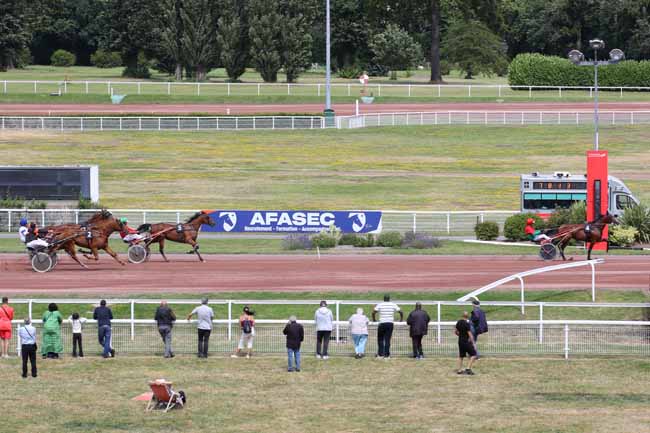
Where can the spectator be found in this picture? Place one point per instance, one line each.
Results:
(418, 321)
(165, 319)
(323, 319)
(52, 320)
(386, 312)
(76, 323)
(27, 335)
(359, 330)
(23, 230)
(204, 316)
(103, 315)
(465, 344)
(295, 335)
(247, 325)
(6, 316)
(479, 324)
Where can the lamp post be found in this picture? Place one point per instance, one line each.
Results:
(578, 58)
(328, 68)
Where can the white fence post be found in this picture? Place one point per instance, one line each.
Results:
(132, 320)
(448, 223)
(258, 89)
(29, 309)
(414, 222)
(8, 220)
(42, 218)
(229, 320)
(566, 341)
(337, 321)
(439, 326)
(521, 284)
(541, 322)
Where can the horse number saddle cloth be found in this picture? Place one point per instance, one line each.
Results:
(89, 234)
(179, 228)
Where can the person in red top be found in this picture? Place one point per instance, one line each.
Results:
(129, 234)
(534, 235)
(6, 316)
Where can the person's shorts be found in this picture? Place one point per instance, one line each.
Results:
(246, 340)
(465, 349)
(5, 335)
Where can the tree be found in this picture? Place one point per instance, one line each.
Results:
(233, 38)
(472, 47)
(296, 40)
(172, 34)
(198, 41)
(395, 49)
(13, 35)
(350, 32)
(265, 35)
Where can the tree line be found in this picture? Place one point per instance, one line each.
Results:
(188, 38)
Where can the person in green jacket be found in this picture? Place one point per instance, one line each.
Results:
(52, 319)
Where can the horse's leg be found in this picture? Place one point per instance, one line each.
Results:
(561, 246)
(591, 247)
(72, 252)
(113, 254)
(195, 248)
(161, 246)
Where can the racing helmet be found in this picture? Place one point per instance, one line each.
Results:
(23, 221)
(123, 220)
(530, 221)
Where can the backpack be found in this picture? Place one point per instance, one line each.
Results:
(247, 326)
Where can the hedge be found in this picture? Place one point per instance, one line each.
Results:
(106, 59)
(486, 231)
(63, 58)
(539, 70)
(514, 227)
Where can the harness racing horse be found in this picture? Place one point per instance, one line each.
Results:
(184, 233)
(578, 232)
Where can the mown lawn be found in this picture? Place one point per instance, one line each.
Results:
(339, 395)
(414, 168)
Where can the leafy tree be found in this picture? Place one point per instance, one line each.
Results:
(233, 38)
(172, 34)
(265, 34)
(198, 41)
(395, 49)
(13, 34)
(296, 40)
(474, 48)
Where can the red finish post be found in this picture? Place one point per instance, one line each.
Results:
(597, 188)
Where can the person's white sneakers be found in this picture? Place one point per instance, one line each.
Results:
(248, 356)
(318, 356)
(234, 355)
(326, 357)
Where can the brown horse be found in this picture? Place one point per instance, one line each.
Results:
(578, 232)
(93, 236)
(184, 233)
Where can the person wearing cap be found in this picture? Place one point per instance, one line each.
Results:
(204, 315)
(324, 320)
(32, 239)
(247, 326)
(418, 322)
(22, 230)
(534, 235)
(478, 320)
(129, 234)
(295, 336)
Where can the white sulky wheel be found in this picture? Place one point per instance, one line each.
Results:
(55, 260)
(137, 254)
(41, 262)
(548, 251)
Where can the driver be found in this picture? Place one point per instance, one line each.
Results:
(32, 240)
(129, 234)
(534, 235)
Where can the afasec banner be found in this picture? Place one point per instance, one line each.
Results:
(247, 221)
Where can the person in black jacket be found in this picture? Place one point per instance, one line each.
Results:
(418, 321)
(295, 335)
(103, 315)
(165, 318)
(478, 320)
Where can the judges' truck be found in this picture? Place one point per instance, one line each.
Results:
(543, 193)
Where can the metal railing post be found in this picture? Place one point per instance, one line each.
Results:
(439, 326)
(178, 217)
(42, 218)
(521, 284)
(541, 323)
(229, 320)
(414, 222)
(566, 341)
(448, 223)
(29, 309)
(8, 220)
(132, 320)
(337, 321)
(593, 282)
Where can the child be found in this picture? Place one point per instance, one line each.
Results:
(77, 324)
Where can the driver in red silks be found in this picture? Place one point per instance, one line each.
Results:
(129, 234)
(534, 235)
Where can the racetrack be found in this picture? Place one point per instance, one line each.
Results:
(306, 272)
(341, 109)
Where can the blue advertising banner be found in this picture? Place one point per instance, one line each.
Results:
(280, 221)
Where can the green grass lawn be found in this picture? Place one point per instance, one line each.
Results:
(413, 168)
(340, 395)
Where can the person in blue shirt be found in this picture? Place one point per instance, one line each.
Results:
(27, 335)
(22, 231)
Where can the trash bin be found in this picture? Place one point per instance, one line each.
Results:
(330, 118)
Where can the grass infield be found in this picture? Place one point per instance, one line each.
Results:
(339, 395)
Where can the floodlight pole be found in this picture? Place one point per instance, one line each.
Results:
(328, 73)
(596, 136)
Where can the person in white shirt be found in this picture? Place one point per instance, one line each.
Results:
(204, 315)
(27, 335)
(359, 330)
(77, 324)
(323, 319)
(386, 312)
(22, 231)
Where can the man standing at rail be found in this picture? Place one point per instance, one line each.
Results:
(386, 312)
(103, 315)
(466, 344)
(204, 316)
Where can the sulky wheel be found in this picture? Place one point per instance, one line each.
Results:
(548, 251)
(55, 260)
(137, 254)
(41, 262)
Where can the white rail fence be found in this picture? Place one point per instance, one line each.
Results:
(523, 337)
(433, 91)
(457, 223)
(226, 123)
(512, 118)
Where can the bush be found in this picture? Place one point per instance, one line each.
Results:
(350, 72)
(21, 203)
(445, 67)
(539, 70)
(296, 242)
(622, 235)
(420, 240)
(375, 70)
(328, 238)
(390, 239)
(139, 70)
(513, 229)
(63, 58)
(576, 214)
(348, 239)
(86, 203)
(106, 59)
(366, 241)
(486, 231)
(639, 218)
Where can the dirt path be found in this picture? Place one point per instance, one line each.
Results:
(296, 273)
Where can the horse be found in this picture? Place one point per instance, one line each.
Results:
(186, 233)
(567, 232)
(96, 217)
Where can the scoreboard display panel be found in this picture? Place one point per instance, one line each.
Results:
(50, 183)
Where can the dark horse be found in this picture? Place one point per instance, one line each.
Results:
(567, 232)
(184, 233)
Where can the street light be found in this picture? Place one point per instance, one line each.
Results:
(577, 58)
(328, 68)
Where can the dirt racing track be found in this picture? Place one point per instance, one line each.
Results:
(306, 272)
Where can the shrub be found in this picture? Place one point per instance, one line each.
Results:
(106, 59)
(296, 242)
(140, 69)
(420, 240)
(63, 58)
(486, 231)
(350, 72)
(390, 239)
(513, 229)
(576, 214)
(328, 238)
(86, 203)
(21, 203)
(445, 67)
(622, 235)
(639, 218)
(366, 241)
(348, 239)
